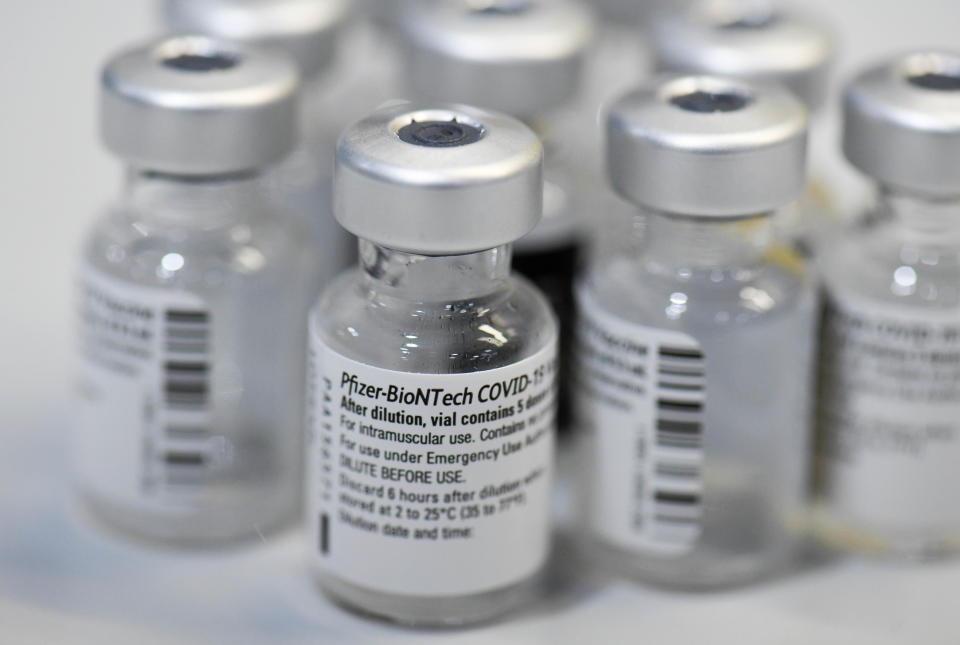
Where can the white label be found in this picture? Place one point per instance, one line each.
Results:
(641, 394)
(892, 413)
(144, 411)
(430, 484)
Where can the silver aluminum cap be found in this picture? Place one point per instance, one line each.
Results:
(305, 29)
(756, 40)
(708, 146)
(518, 56)
(193, 105)
(438, 180)
(902, 123)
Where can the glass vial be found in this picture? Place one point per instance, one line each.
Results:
(309, 31)
(524, 58)
(192, 299)
(695, 351)
(890, 407)
(432, 374)
(763, 40)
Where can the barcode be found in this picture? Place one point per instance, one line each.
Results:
(326, 454)
(182, 448)
(322, 446)
(676, 456)
(324, 534)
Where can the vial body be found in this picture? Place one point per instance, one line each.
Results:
(890, 399)
(695, 358)
(194, 297)
(440, 545)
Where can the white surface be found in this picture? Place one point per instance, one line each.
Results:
(62, 581)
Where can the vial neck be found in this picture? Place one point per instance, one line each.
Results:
(679, 247)
(918, 219)
(192, 202)
(444, 280)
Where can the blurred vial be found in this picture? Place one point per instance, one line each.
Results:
(308, 31)
(193, 300)
(760, 40)
(432, 373)
(890, 407)
(695, 352)
(524, 58)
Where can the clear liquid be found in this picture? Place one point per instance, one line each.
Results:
(251, 267)
(754, 319)
(432, 315)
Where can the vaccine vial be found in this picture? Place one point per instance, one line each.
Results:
(767, 42)
(524, 58)
(193, 301)
(310, 32)
(695, 352)
(432, 373)
(890, 400)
